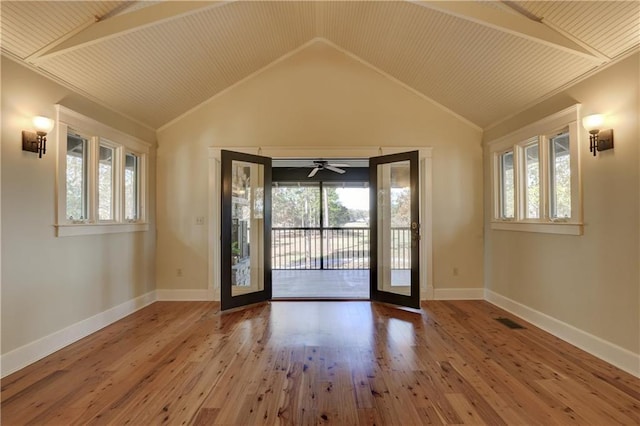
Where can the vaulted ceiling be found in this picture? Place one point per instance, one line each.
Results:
(154, 61)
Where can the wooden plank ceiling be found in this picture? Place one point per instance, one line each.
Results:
(153, 61)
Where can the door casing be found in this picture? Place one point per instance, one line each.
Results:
(214, 217)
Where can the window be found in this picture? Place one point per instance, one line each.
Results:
(560, 176)
(532, 179)
(131, 187)
(76, 177)
(102, 180)
(106, 183)
(536, 177)
(507, 184)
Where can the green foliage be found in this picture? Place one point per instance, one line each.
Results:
(337, 214)
(401, 207)
(294, 206)
(235, 250)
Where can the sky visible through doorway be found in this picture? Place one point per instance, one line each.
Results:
(354, 198)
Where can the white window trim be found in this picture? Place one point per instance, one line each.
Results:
(123, 143)
(543, 130)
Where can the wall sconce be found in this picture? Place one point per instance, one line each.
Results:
(37, 142)
(599, 140)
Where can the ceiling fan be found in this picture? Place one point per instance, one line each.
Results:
(324, 165)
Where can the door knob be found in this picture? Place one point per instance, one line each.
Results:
(415, 233)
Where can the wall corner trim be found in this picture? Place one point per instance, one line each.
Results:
(36, 350)
(605, 350)
(429, 294)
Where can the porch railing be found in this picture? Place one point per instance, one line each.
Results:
(333, 248)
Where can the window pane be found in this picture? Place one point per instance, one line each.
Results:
(76, 177)
(105, 183)
(507, 193)
(560, 176)
(532, 179)
(131, 179)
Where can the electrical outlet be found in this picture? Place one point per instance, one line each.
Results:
(179, 272)
(199, 220)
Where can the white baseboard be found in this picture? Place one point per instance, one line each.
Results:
(607, 351)
(458, 294)
(192, 295)
(34, 351)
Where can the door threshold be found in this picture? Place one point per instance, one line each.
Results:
(399, 307)
(321, 299)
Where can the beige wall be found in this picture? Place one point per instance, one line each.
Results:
(50, 283)
(591, 281)
(319, 97)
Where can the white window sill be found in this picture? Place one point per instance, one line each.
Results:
(75, 229)
(545, 228)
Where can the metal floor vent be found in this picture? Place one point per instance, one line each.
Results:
(509, 323)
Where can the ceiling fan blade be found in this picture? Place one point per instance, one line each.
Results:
(313, 172)
(338, 165)
(334, 169)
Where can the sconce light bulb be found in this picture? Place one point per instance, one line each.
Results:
(42, 124)
(593, 123)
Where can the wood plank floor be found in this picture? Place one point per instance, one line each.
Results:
(320, 363)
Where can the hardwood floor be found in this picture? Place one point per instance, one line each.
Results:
(320, 363)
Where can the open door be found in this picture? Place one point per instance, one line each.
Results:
(246, 229)
(395, 229)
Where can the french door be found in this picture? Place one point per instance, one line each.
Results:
(246, 229)
(395, 229)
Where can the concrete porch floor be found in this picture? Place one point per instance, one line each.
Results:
(345, 284)
(327, 283)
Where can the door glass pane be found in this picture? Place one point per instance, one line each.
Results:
(560, 176)
(247, 229)
(77, 151)
(105, 183)
(532, 179)
(394, 227)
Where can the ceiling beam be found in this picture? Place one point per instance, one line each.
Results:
(512, 23)
(125, 23)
